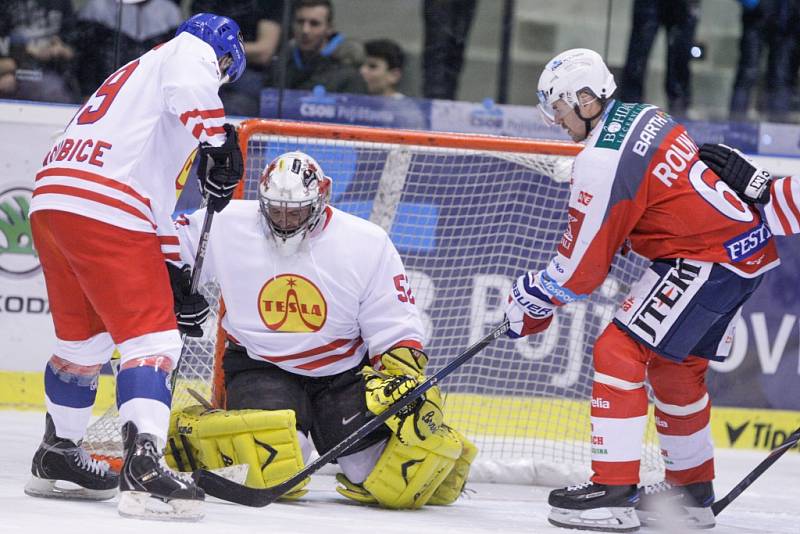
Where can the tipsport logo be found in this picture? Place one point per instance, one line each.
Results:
(17, 255)
(292, 303)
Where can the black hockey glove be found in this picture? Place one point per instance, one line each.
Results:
(219, 181)
(191, 309)
(749, 181)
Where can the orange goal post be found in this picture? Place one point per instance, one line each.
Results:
(468, 214)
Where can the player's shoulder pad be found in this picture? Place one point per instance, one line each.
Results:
(190, 52)
(355, 226)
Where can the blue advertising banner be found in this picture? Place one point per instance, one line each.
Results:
(319, 106)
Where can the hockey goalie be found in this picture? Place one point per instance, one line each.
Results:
(322, 333)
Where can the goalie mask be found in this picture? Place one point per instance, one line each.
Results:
(570, 72)
(293, 193)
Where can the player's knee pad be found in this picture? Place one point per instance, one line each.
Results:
(617, 355)
(166, 345)
(73, 372)
(265, 440)
(406, 476)
(93, 351)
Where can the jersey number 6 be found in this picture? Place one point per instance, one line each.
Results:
(107, 93)
(718, 194)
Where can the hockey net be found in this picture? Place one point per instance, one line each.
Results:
(468, 214)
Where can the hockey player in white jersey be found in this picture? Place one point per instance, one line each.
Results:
(101, 223)
(322, 332)
(780, 197)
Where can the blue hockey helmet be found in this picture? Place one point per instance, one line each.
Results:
(224, 37)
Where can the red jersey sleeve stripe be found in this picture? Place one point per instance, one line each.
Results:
(776, 208)
(169, 240)
(217, 113)
(93, 196)
(790, 200)
(95, 178)
(213, 130)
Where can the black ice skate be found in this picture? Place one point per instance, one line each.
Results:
(591, 506)
(677, 507)
(63, 469)
(149, 489)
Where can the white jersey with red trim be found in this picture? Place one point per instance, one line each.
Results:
(119, 158)
(782, 212)
(344, 294)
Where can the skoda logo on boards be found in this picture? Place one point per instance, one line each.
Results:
(17, 255)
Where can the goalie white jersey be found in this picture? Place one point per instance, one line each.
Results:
(343, 295)
(120, 157)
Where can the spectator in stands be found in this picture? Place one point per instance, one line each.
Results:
(774, 23)
(383, 67)
(36, 50)
(319, 55)
(447, 25)
(260, 23)
(679, 18)
(8, 77)
(144, 25)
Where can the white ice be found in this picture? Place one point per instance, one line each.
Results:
(771, 505)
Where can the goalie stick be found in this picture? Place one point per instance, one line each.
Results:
(751, 477)
(222, 488)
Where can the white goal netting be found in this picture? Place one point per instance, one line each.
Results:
(467, 222)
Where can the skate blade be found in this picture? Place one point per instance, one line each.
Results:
(600, 519)
(141, 505)
(61, 489)
(691, 518)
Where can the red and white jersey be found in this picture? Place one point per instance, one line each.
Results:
(120, 156)
(782, 212)
(343, 295)
(639, 180)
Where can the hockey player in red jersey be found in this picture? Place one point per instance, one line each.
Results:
(100, 217)
(780, 197)
(322, 332)
(639, 182)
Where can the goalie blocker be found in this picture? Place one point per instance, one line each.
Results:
(272, 412)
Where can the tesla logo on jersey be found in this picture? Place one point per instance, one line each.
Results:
(585, 198)
(575, 221)
(292, 303)
(183, 174)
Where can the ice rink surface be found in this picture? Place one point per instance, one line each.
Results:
(770, 506)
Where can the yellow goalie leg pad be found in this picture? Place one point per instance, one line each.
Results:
(452, 486)
(265, 440)
(407, 475)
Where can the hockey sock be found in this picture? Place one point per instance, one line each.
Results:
(70, 391)
(684, 433)
(683, 414)
(619, 417)
(144, 395)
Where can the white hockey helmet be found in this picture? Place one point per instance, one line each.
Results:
(568, 73)
(293, 193)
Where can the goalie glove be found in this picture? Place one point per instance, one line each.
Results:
(219, 182)
(403, 369)
(191, 309)
(528, 311)
(735, 169)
